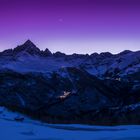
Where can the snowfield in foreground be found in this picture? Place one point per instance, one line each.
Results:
(34, 130)
(27, 131)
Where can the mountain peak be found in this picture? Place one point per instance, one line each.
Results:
(29, 43)
(125, 52)
(28, 47)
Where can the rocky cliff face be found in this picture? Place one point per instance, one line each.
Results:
(58, 88)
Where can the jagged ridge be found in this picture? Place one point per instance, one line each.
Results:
(71, 88)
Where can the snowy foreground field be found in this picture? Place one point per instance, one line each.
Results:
(34, 130)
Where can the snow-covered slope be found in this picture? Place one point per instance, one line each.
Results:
(33, 130)
(28, 58)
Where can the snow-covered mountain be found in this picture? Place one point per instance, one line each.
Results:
(56, 87)
(29, 58)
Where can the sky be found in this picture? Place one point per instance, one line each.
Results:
(71, 26)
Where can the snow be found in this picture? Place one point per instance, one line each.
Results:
(126, 63)
(5, 114)
(34, 130)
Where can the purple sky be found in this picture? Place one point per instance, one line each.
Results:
(81, 26)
